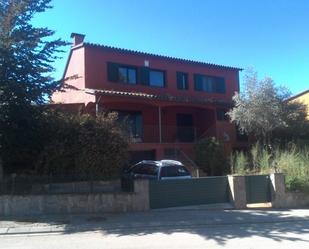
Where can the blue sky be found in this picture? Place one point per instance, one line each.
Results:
(271, 36)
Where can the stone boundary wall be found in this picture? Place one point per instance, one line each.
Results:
(115, 202)
(17, 205)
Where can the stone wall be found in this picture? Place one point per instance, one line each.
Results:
(16, 205)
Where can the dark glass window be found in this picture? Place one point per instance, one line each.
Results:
(221, 114)
(134, 124)
(172, 171)
(156, 78)
(209, 84)
(145, 169)
(121, 73)
(182, 81)
(127, 75)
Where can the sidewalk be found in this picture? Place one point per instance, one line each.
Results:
(146, 221)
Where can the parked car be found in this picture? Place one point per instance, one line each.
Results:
(157, 170)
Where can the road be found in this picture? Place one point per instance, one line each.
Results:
(179, 229)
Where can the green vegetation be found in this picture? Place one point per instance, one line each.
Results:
(292, 161)
(26, 57)
(209, 156)
(262, 110)
(82, 145)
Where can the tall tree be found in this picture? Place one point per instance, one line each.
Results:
(261, 108)
(26, 57)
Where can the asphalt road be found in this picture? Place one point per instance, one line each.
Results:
(179, 229)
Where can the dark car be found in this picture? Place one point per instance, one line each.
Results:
(157, 170)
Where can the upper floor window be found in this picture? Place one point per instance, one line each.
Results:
(156, 78)
(182, 81)
(127, 75)
(121, 73)
(152, 77)
(209, 84)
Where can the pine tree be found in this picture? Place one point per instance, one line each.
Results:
(26, 57)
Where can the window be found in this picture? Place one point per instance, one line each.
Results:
(121, 73)
(209, 84)
(145, 169)
(127, 75)
(182, 81)
(221, 115)
(156, 78)
(173, 171)
(134, 124)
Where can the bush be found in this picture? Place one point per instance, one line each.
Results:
(210, 157)
(82, 145)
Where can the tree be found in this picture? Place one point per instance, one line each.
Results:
(26, 56)
(262, 108)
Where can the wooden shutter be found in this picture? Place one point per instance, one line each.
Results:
(144, 75)
(220, 85)
(112, 71)
(198, 81)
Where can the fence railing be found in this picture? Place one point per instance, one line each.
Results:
(169, 134)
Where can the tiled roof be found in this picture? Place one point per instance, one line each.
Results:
(165, 97)
(128, 51)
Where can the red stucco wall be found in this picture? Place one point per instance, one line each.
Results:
(96, 73)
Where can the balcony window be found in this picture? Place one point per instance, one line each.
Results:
(221, 114)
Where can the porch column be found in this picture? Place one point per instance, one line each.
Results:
(160, 125)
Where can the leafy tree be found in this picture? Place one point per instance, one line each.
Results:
(261, 108)
(26, 56)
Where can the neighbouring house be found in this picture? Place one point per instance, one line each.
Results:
(303, 98)
(169, 102)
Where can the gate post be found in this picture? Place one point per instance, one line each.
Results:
(237, 187)
(141, 192)
(277, 189)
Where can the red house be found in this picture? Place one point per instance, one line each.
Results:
(169, 102)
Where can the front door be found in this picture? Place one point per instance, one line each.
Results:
(185, 129)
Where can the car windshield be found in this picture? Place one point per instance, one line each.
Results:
(174, 170)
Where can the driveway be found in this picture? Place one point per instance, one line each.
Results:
(169, 228)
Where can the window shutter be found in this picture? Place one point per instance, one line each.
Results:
(179, 80)
(112, 71)
(144, 75)
(220, 85)
(198, 82)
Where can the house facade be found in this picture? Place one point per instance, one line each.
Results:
(168, 103)
(303, 98)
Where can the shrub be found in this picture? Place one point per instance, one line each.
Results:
(82, 145)
(209, 156)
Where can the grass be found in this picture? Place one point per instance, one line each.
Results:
(293, 161)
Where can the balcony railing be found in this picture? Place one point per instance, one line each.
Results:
(169, 134)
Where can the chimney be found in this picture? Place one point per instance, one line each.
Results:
(77, 39)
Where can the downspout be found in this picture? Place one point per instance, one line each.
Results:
(97, 105)
(160, 125)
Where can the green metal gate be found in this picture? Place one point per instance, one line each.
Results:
(184, 192)
(258, 188)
